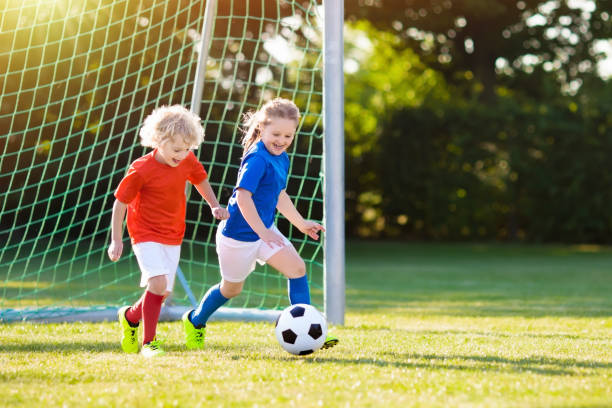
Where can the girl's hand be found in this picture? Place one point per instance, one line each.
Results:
(114, 250)
(312, 229)
(220, 213)
(272, 238)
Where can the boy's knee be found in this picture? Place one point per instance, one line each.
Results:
(157, 285)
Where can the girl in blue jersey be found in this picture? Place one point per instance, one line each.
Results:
(249, 235)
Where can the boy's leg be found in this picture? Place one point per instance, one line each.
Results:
(129, 330)
(158, 263)
(129, 318)
(152, 349)
(151, 306)
(133, 314)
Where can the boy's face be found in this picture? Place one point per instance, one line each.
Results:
(172, 151)
(277, 135)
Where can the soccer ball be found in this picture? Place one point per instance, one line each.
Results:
(301, 329)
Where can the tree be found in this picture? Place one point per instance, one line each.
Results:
(493, 39)
(382, 76)
(427, 160)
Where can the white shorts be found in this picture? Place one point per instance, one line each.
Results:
(237, 258)
(155, 259)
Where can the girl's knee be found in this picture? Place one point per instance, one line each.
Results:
(301, 268)
(297, 270)
(231, 289)
(288, 262)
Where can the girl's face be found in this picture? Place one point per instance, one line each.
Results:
(277, 135)
(172, 151)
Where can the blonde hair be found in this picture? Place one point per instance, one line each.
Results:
(169, 122)
(252, 121)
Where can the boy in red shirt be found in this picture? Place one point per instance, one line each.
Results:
(153, 195)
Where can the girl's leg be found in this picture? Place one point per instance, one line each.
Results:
(236, 259)
(288, 262)
(213, 300)
(231, 289)
(194, 321)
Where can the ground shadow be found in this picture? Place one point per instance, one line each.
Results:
(534, 364)
(70, 347)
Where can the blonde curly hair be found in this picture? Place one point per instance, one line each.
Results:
(170, 122)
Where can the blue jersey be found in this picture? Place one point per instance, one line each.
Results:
(265, 176)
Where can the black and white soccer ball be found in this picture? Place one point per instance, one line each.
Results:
(301, 329)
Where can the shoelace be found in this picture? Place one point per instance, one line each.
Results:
(154, 345)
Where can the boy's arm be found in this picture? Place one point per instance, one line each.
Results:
(286, 207)
(116, 246)
(250, 214)
(208, 194)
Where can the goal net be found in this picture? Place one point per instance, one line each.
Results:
(78, 78)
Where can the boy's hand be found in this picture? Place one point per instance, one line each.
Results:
(312, 229)
(114, 250)
(220, 213)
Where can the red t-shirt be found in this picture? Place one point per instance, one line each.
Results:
(155, 195)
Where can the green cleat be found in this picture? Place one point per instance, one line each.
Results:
(194, 337)
(152, 349)
(129, 338)
(330, 341)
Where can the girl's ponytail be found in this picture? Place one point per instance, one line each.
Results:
(250, 126)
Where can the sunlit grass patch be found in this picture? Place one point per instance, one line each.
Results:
(426, 325)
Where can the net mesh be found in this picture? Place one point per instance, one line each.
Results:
(79, 77)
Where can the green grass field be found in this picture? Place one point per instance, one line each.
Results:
(426, 325)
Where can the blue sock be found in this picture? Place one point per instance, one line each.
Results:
(299, 292)
(212, 300)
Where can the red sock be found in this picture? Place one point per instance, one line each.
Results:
(151, 307)
(134, 313)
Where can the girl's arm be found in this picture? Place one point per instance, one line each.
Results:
(250, 214)
(285, 206)
(115, 248)
(208, 194)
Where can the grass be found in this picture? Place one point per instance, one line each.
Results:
(426, 325)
